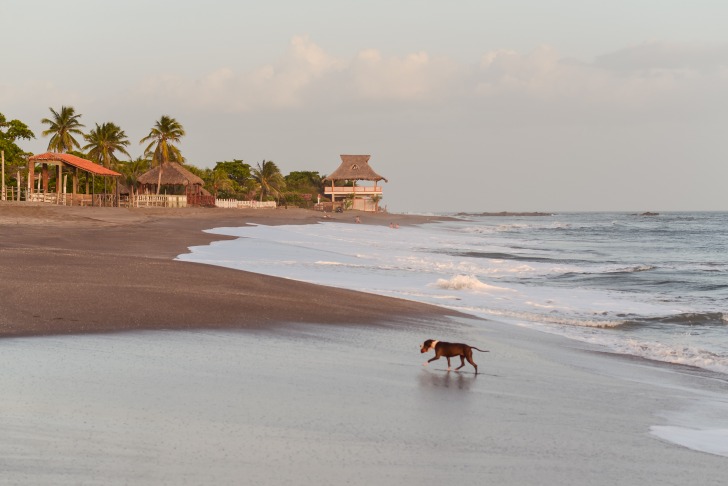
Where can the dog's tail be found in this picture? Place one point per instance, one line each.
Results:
(481, 350)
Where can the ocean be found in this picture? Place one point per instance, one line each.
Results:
(652, 286)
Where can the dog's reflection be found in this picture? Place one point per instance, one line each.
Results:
(447, 379)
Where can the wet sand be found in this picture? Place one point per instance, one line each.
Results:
(260, 380)
(331, 405)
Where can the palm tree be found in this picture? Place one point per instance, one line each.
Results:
(220, 181)
(165, 131)
(132, 170)
(375, 199)
(103, 141)
(62, 127)
(269, 177)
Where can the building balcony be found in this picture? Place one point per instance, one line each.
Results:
(356, 190)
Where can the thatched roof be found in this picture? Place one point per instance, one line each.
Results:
(173, 174)
(123, 188)
(355, 168)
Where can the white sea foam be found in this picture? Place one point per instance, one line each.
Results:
(420, 262)
(712, 441)
(468, 282)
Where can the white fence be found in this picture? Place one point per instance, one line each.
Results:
(159, 201)
(232, 203)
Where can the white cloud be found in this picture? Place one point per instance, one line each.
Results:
(415, 77)
(626, 82)
(306, 74)
(278, 85)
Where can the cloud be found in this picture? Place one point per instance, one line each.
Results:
(637, 81)
(663, 56)
(271, 86)
(655, 80)
(306, 74)
(415, 77)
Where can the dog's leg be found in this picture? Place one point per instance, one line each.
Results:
(470, 360)
(448, 363)
(462, 362)
(430, 360)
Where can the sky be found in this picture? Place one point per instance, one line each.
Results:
(489, 105)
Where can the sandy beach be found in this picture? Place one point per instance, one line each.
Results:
(228, 377)
(70, 270)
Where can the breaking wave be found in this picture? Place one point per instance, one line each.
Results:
(467, 282)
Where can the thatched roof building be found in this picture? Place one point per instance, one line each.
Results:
(355, 168)
(175, 178)
(173, 174)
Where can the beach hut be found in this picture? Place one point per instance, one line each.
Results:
(176, 180)
(354, 168)
(68, 164)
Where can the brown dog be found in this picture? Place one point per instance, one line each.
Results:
(449, 350)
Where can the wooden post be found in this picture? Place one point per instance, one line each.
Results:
(59, 180)
(2, 155)
(31, 176)
(26, 197)
(44, 174)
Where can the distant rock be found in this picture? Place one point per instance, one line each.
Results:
(649, 213)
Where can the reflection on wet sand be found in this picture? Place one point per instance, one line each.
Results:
(447, 379)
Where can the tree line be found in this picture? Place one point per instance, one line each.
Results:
(106, 144)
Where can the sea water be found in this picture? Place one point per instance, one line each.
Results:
(653, 286)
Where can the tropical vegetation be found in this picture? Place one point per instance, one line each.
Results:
(269, 179)
(161, 148)
(12, 131)
(103, 143)
(62, 126)
(107, 144)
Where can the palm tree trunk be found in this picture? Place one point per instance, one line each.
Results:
(159, 179)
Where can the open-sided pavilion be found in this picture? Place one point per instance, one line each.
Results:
(66, 164)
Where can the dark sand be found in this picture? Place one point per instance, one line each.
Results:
(71, 270)
(337, 401)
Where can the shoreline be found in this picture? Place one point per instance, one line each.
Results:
(78, 270)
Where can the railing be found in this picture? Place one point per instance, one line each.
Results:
(65, 199)
(353, 190)
(47, 198)
(159, 201)
(107, 200)
(11, 193)
(200, 200)
(232, 203)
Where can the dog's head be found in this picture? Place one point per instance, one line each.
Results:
(427, 345)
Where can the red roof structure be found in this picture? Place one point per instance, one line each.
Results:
(74, 161)
(71, 165)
